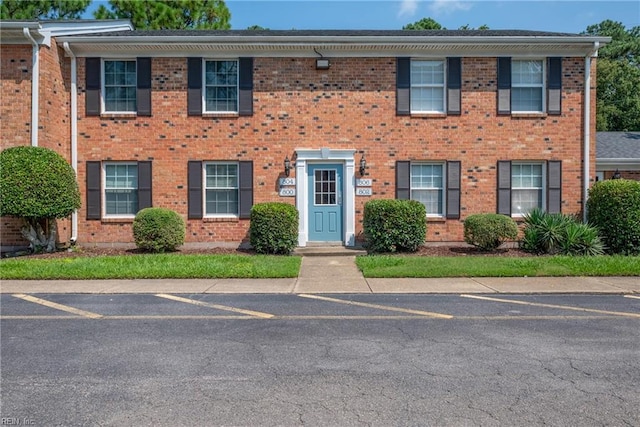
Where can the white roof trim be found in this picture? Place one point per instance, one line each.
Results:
(43, 31)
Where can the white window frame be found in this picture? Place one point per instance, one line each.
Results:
(206, 188)
(540, 86)
(205, 86)
(442, 189)
(103, 84)
(104, 189)
(442, 85)
(542, 189)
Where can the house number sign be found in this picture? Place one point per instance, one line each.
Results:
(363, 187)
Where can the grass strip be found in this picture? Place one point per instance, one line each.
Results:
(392, 266)
(152, 266)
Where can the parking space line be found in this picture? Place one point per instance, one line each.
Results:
(632, 296)
(379, 307)
(217, 306)
(57, 306)
(560, 307)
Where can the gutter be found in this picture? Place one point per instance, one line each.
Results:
(587, 126)
(35, 86)
(74, 131)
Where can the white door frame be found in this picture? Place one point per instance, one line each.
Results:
(304, 156)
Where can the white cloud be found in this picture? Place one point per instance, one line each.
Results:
(445, 7)
(408, 7)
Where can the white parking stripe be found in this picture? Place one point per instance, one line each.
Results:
(57, 306)
(217, 306)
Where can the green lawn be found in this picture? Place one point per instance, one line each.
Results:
(414, 266)
(152, 266)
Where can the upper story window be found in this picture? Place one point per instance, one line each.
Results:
(119, 86)
(428, 86)
(221, 87)
(527, 86)
(428, 186)
(121, 189)
(221, 189)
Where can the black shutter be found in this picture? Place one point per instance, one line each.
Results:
(554, 186)
(245, 86)
(245, 172)
(504, 85)
(94, 190)
(144, 185)
(504, 187)
(194, 86)
(92, 86)
(454, 86)
(453, 189)
(403, 180)
(403, 86)
(143, 94)
(554, 86)
(194, 184)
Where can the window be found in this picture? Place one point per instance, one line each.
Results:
(427, 186)
(120, 86)
(527, 183)
(221, 189)
(121, 189)
(527, 86)
(221, 86)
(427, 86)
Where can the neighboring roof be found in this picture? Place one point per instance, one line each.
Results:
(335, 43)
(618, 150)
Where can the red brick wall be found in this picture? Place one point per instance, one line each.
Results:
(352, 105)
(635, 175)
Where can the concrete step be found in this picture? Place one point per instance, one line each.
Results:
(329, 251)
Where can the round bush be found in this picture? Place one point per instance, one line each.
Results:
(614, 207)
(36, 182)
(394, 225)
(274, 228)
(158, 230)
(489, 231)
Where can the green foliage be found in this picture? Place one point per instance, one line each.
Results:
(36, 183)
(424, 24)
(489, 231)
(546, 233)
(614, 207)
(169, 14)
(274, 228)
(42, 9)
(158, 230)
(394, 225)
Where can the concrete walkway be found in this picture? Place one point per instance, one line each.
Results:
(329, 275)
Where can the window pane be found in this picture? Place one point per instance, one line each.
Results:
(527, 186)
(222, 202)
(221, 183)
(431, 199)
(427, 186)
(526, 99)
(427, 86)
(524, 201)
(120, 85)
(427, 99)
(221, 86)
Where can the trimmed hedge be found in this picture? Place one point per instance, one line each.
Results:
(158, 230)
(489, 231)
(274, 228)
(394, 225)
(614, 207)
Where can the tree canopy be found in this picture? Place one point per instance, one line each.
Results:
(169, 14)
(432, 24)
(43, 9)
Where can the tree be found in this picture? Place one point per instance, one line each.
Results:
(38, 185)
(424, 24)
(467, 27)
(43, 9)
(618, 77)
(169, 14)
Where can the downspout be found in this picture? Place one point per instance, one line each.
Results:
(35, 87)
(74, 132)
(587, 126)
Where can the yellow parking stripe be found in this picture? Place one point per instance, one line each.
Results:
(561, 307)
(631, 296)
(379, 307)
(57, 306)
(217, 306)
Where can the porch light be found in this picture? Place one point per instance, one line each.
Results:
(617, 175)
(287, 166)
(363, 165)
(322, 64)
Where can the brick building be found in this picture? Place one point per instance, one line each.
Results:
(208, 123)
(618, 155)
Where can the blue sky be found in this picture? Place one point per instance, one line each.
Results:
(572, 16)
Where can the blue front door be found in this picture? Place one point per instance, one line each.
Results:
(325, 203)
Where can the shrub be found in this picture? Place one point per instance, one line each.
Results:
(394, 225)
(614, 207)
(274, 228)
(158, 230)
(546, 233)
(489, 231)
(38, 185)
